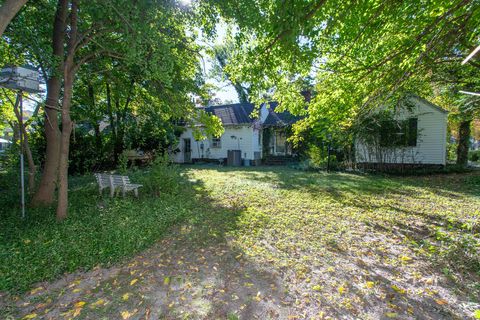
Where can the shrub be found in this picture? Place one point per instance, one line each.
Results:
(474, 155)
(163, 177)
(123, 163)
(452, 151)
(318, 158)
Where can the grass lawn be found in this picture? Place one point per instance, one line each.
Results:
(250, 243)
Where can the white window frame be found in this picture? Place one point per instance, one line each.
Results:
(216, 143)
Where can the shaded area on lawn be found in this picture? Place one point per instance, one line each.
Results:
(193, 272)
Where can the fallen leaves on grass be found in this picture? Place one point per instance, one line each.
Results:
(127, 314)
(398, 289)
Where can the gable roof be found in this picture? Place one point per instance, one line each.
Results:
(279, 118)
(428, 103)
(233, 114)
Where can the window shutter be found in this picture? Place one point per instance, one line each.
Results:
(412, 132)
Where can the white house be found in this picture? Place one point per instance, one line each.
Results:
(255, 137)
(426, 125)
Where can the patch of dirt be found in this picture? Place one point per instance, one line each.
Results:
(176, 279)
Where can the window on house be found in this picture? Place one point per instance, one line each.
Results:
(399, 133)
(216, 143)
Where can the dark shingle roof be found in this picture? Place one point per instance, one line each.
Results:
(240, 113)
(231, 114)
(279, 118)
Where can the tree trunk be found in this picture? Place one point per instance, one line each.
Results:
(69, 74)
(62, 206)
(463, 142)
(45, 194)
(26, 148)
(121, 116)
(8, 11)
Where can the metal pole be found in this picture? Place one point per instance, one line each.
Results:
(22, 173)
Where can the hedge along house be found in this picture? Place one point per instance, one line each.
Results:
(257, 138)
(416, 136)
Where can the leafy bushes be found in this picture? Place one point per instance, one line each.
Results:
(474, 155)
(318, 159)
(164, 178)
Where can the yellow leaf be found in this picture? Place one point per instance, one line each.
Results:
(370, 284)
(391, 315)
(30, 316)
(76, 290)
(77, 312)
(99, 302)
(405, 258)
(133, 282)
(476, 314)
(166, 281)
(341, 290)
(399, 290)
(126, 296)
(317, 288)
(441, 301)
(171, 305)
(127, 314)
(80, 304)
(36, 290)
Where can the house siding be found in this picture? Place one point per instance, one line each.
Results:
(431, 141)
(246, 141)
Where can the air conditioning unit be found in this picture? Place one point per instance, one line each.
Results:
(23, 78)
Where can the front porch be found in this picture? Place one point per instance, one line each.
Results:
(276, 148)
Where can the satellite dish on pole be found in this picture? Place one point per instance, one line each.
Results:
(24, 78)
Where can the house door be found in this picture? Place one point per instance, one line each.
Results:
(187, 150)
(280, 143)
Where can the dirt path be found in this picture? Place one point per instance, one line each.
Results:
(180, 278)
(176, 279)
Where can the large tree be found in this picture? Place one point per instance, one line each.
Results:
(362, 53)
(147, 44)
